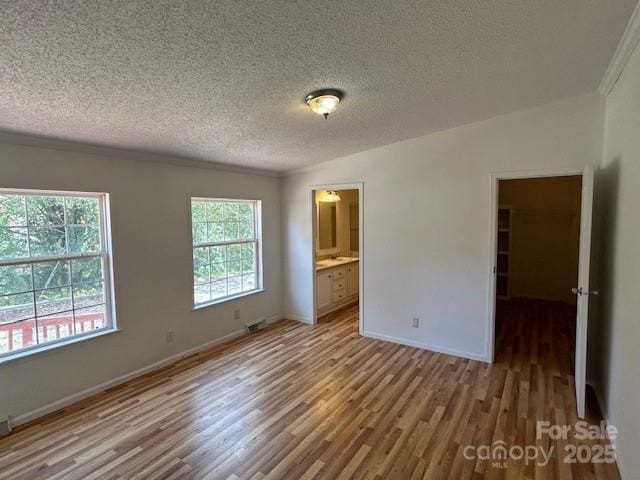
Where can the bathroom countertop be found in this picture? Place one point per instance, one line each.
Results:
(334, 262)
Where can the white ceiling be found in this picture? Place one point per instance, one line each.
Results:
(224, 81)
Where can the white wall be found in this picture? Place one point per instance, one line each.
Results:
(616, 334)
(426, 219)
(151, 241)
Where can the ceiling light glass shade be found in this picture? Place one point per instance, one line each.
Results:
(324, 104)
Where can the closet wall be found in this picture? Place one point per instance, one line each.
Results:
(545, 236)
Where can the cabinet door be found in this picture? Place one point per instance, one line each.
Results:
(353, 281)
(323, 286)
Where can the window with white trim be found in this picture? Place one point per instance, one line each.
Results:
(55, 268)
(226, 249)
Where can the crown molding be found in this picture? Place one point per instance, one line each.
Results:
(627, 44)
(36, 141)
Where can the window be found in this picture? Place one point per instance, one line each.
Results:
(226, 249)
(55, 261)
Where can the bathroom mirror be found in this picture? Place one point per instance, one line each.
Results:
(327, 225)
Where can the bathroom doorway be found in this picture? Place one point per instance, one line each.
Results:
(337, 247)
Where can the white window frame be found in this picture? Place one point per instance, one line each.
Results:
(106, 255)
(257, 223)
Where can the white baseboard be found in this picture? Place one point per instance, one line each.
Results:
(76, 397)
(426, 346)
(298, 318)
(275, 318)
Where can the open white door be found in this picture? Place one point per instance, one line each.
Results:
(582, 290)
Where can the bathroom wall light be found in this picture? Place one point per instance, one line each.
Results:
(332, 196)
(323, 102)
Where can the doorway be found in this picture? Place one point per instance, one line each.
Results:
(337, 247)
(540, 271)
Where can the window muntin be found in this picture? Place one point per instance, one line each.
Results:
(226, 249)
(54, 268)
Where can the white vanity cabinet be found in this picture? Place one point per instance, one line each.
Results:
(336, 287)
(324, 286)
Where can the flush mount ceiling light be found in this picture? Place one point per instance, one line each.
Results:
(323, 102)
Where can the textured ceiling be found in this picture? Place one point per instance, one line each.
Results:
(224, 81)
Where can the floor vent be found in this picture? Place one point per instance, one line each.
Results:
(256, 326)
(5, 426)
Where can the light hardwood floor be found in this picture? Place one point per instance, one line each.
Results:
(301, 402)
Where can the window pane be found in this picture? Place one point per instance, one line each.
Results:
(88, 319)
(218, 271)
(234, 285)
(84, 239)
(201, 293)
(245, 211)
(14, 336)
(218, 254)
(88, 294)
(231, 212)
(15, 279)
(248, 282)
(231, 231)
(51, 274)
(82, 211)
(201, 265)
(45, 210)
(86, 270)
(218, 289)
(215, 232)
(13, 243)
(234, 267)
(55, 327)
(199, 233)
(12, 211)
(215, 212)
(248, 257)
(245, 229)
(47, 241)
(198, 211)
(53, 301)
(65, 329)
(234, 252)
(16, 307)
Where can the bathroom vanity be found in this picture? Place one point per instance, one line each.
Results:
(337, 283)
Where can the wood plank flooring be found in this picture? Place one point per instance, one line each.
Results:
(301, 402)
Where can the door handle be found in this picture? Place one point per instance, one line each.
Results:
(581, 291)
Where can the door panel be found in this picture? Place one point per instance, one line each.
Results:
(582, 290)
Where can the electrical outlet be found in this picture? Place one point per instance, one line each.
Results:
(170, 337)
(236, 314)
(416, 322)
